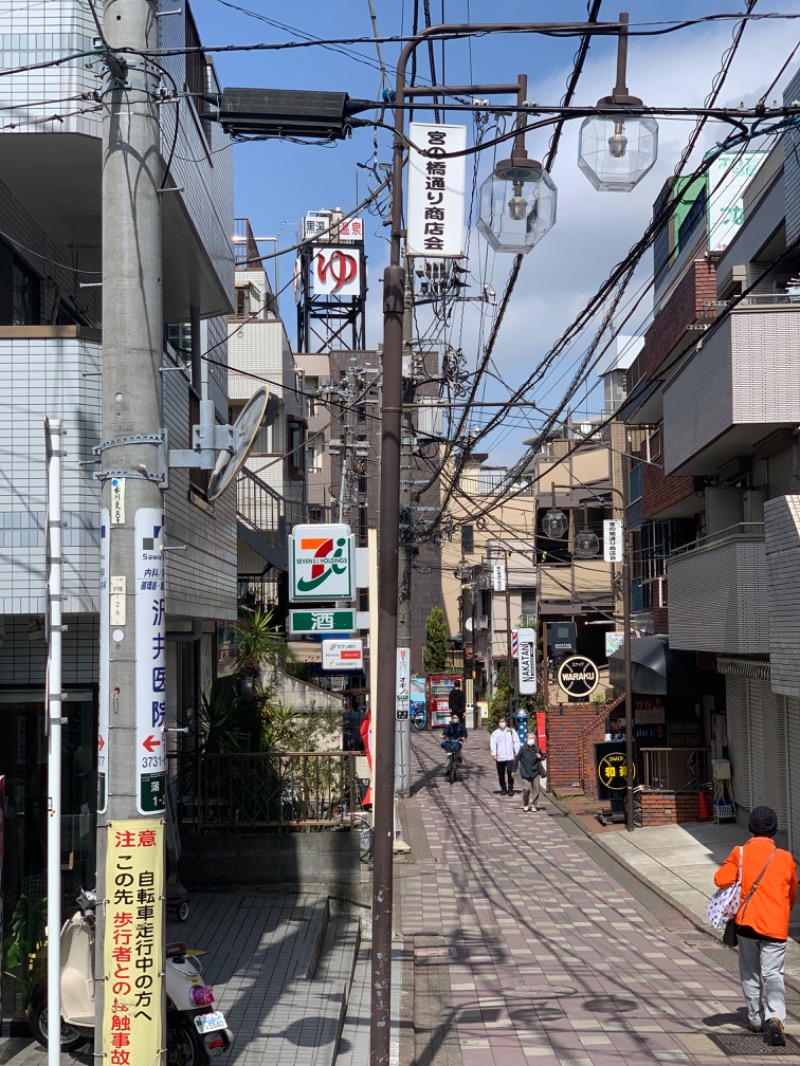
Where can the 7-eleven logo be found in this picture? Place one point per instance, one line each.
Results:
(326, 557)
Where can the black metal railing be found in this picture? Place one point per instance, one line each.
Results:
(299, 789)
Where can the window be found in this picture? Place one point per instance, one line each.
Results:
(179, 336)
(467, 540)
(315, 514)
(635, 484)
(296, 448)
(310, 389)
(19, 291)
(314, 458)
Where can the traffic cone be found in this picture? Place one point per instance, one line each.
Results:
(703, 810)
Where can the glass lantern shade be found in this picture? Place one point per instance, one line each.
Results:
(517, 205)
(587, 545)
(554, 525)
(615, 152)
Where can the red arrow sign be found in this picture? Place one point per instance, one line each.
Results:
(151, 743)
(101, 743)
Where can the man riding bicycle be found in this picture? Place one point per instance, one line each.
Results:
(455, 733)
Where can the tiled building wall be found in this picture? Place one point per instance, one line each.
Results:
(31, 34)
(59, 379)
(23, 660)
(791, 137)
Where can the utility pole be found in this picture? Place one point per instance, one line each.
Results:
(404, 547)
(132, 678)
(509, 659)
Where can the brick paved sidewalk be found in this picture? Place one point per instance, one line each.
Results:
(526, 952)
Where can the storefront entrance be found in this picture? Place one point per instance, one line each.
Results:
(23, 764)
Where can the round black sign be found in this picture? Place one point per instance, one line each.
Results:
(578, 676)
(613, 771)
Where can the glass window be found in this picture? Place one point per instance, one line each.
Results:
(296, 439)
(310, 389)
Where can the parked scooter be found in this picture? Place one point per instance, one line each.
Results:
(196, 1032)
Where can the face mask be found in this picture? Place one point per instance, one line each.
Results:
(503, 725)
(453, 721)
(531, 743)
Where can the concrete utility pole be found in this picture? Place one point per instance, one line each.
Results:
(132, 465)
(404, 552)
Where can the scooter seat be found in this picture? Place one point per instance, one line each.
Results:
(175, 949)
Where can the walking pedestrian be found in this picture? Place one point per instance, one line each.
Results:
(769, 889)
(504, 744)
(457, 701)
(528, 762)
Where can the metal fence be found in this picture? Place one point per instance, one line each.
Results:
(267, 790)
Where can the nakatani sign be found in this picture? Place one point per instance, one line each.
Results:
(321, 563)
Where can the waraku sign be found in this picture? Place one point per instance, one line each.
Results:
(578, 676)
(321, 563)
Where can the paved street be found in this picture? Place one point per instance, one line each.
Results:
(526, 950)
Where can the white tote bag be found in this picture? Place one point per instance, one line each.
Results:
(725, 902)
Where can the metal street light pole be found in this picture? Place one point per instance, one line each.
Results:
(391, 412)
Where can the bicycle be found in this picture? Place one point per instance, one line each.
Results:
(419, 719)
(452, 767)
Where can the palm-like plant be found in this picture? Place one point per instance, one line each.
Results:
(260, 647)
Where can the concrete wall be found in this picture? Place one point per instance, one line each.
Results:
(330, 861)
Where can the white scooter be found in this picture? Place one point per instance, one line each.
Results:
(196, 1032)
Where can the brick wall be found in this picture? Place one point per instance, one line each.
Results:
(660, 491)
(692, 299)
(669, 808)
(572, 731)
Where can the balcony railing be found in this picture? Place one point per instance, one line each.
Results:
(268, 790)
(751, 530)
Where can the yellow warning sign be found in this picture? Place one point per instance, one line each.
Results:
(134, 943)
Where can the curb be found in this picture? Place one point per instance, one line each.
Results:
(789, 980)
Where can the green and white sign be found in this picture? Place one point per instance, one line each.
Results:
(322, 563)
(322, 621)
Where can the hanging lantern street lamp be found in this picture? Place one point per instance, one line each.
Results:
(615, 149)
(518, 199)
(554, 524)
(587, 545)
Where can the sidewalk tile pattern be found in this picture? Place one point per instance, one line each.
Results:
(545, 958)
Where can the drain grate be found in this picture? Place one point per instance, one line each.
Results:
(435, 953)
(752, 1044)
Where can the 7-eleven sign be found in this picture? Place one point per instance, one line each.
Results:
(321, 563)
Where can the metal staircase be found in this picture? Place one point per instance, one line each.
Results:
(264, 518)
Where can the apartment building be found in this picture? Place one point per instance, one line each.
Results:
(51, 366)
(272, 487)
(718, 501)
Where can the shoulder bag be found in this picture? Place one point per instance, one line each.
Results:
(730, 936)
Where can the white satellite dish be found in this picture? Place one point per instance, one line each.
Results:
(245, 430)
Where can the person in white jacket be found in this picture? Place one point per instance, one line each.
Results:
(504, 744)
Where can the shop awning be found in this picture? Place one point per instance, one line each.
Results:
(656, 669)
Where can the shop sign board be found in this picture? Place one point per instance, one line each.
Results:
(342, 655)
(613, 548)
(614, 641)
(320, 620)
(526, 661)
(578, 676)
(612, 770)
(321, 563)
(436, 188)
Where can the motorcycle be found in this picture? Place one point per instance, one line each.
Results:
(196, 1032)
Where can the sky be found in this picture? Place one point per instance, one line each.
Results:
(277, 183)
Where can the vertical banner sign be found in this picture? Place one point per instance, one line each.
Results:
(402, 702)
(151, 686)
(612, 540)
(436, 184)
(103, 689)
(728, 175)
(526, 662)
(133, 944)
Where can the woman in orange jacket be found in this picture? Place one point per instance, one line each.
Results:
(762, 922)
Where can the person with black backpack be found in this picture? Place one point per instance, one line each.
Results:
(529, 763)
